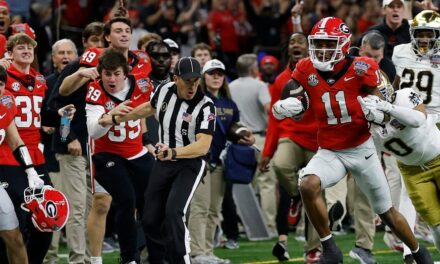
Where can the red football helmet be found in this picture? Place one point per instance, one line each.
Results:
(49, 208)
(329, 41)
(23, 28)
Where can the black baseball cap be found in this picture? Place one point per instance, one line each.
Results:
(188, 68)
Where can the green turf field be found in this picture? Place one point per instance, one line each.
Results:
(260, 252)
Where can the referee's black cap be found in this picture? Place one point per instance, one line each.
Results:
(188, 68)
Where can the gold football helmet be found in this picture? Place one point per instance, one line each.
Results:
(385, 87)
(425, 33)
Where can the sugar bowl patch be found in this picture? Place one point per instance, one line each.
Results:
(361, 67)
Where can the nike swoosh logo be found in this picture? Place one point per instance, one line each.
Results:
(38, 86)
(1, 116)
(140, 65)
(137, 97)
(348, 78)
(369, 156)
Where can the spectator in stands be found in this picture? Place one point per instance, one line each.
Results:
(202, 52)
(269, 69)
(175, 52)
(223, 32)
(394, 28)
(147, 38)
(267, 20)
(161, 17)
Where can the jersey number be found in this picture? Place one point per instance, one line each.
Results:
(119, 132)
(88, 56)
(93, 94)
(331, 118)
(424, 82)
(398, 147)
(2, 135)
(27, 107)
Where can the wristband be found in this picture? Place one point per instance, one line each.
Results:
(296, 20)
(21, 154)
(114, 120)
(102, 116)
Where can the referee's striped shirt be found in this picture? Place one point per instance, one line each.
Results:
(181, 120)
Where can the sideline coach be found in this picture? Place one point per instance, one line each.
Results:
(186, 124)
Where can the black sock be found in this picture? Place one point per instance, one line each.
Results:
(328, 244)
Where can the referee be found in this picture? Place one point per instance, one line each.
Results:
(186, 124)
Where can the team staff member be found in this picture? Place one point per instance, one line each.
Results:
(122, 164)
(73, 176)
(291, 144)
(186, 124)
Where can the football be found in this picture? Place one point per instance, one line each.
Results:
(237, 131)
(293, 89)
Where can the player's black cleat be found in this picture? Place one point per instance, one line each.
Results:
(331, 253)
(280, 251)
(422, 256)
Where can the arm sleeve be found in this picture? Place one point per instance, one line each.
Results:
(94, 112)
(206, 119)
(405, 101)
(270, 144)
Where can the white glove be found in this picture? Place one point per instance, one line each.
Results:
(384, 106)
(35, 182)
(289, 107)
(369, 106)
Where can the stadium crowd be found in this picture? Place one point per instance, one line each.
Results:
(119, 115)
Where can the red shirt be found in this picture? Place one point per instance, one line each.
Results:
(138, 61)
(302, 132)
(3, 41)
(29, 91)
(7, 113)
(341, 122)
(124, 139)
(224, 22)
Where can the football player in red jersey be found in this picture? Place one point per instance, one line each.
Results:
(332, 81)
(121, 162)
(9, 231)
(17, 166)
(117, 35)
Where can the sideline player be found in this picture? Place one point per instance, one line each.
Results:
(117, 35)
(120, 160)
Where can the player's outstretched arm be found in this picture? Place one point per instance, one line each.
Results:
(123, 113)
(414, 117)
(73, 82)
